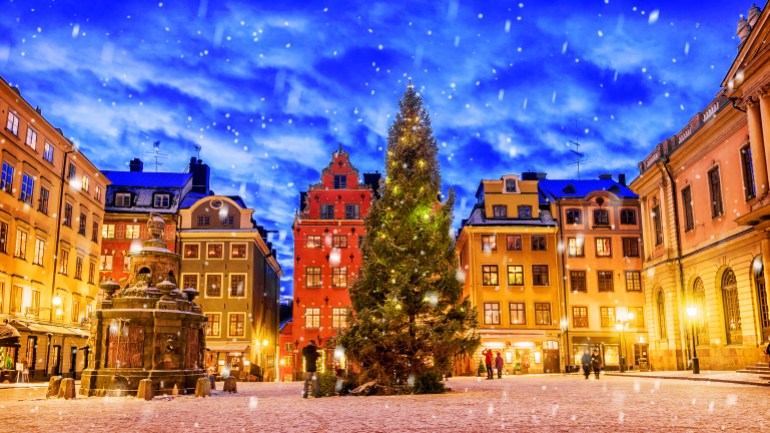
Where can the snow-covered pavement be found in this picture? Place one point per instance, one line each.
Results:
(553, 403)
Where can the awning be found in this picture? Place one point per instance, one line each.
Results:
(53, 329)
(230, 346)
(9, 336)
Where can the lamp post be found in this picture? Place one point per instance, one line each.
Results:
(564, 327)
(692, 312)
(621, 326)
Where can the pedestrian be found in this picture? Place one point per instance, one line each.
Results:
(499, 365)
(596, 362)
(488, 361)
(310, 353)
(586, 361)
(767, 352)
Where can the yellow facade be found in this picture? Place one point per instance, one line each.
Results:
(51, 210)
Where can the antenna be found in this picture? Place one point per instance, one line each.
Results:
(576, 151)
(157, 154)
(198, 148)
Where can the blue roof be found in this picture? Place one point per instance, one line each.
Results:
(190, 199)
(146, 179)
(555, 189)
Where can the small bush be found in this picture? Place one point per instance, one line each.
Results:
(429, 382)
(327, 384)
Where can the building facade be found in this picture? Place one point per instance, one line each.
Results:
(328, 231)
(51, 214)
(705, 212)
(227, 258)
(508, 250)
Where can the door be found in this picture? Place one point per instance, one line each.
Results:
(551, 361)
(640, 356)
(56, 361)
(73, 360)
(31, 357)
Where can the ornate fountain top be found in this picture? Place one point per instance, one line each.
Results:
(156, 226)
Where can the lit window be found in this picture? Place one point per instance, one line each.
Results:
(313, 277)
(312, 318)
(542, 313)
(191, 251)
(489, 275)
(237, 322)
(491, 313)
(213, 324)
(31, 140)
(488, 243)
(603, 248)
(48, 151)
(13, 123)
(214, 251)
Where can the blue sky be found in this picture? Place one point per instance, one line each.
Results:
(269, 89)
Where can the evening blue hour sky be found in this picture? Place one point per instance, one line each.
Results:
(269, 89)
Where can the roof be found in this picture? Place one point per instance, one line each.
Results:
(555, 189)
(147, 179)
(477, 218)
(191, 198)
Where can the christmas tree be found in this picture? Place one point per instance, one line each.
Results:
(409, 317)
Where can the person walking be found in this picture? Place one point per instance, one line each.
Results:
(767, 352)
(499, 365)
(488, 362)
(586, 361)
(310, 353)
(596, 362)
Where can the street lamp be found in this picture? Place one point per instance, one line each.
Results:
(692, 312)
(564, 327)
(621, 326)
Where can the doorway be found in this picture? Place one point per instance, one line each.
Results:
(31, 355)
(56, 360)
(73, 361)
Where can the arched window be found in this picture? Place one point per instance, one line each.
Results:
(759, 284)
(699, 302)
(731, 309)
(660, 304)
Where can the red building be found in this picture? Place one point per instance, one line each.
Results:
(328, 232)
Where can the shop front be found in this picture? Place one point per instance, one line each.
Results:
(9, 352)
(229, 359)
(522, 353)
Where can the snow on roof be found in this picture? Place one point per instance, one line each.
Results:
(555, 189)
(477, 218)
(147, 179)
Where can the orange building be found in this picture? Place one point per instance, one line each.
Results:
(706, 216)
(328, 231)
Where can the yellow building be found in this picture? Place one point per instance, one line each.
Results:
(51, 210)
(706, 215)
(508, 250)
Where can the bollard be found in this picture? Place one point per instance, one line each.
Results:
(67, 388)
(145, 389)
(212, 379)
(230, 385)
(53, 387)
(203, 388)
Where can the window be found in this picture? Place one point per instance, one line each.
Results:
(340, 277)
(605, 281)
(108, 231)
(21, 245)
(607, 317)
(699, 302)
(133, 231)
(214, 251)
(105, 265)
(627, 217)
(237, 322)
(500, 211)
(542, 313)
(95, 231)
(204, 220)
(78, 268)
(2, 297)
(75, 316)
(630, 247)
(48, 152)
(27, 187)
(313, 241)
(237, 285)
(238, 251)
(313, 277)
(510, 185)
(17, 298)
(122, 199)
(352, 211)
(633, 281)
(603, 248)
(731, 308)
(539, 275)
(489, 275)
(340, 181)
(575, 247)
(85, 185)
(39, 252)
(657, 224)
(126, 263)
(638, 313)
(538, 243)
(715, 191)
(213, 286)
(228, 220)
(580, 317)
(13, 123)
(34, 303)
(212, 327)
(190, 281)
(191, 251)
(515, 275)
(518, 313)
(64, 258)
(749, 190)
(339, 318)
(72, 173)
(491, 313)
(601, 217)
(312, 318)
(161, 200)
(339, 241)
(660, 305)
(6, 178)
(327, 211)
(91, 272)
(573, 216)
(82, 224)
(42, 204)
(3, 237)
(513, 242)
(98, 193)
(689, 219)
(488, 243)
(525, 211)
(577, 281)
(67, 218)
(31, 140)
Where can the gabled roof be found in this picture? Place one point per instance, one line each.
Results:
(143, 179)
(555, 189)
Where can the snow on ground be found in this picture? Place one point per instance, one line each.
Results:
(552, 403)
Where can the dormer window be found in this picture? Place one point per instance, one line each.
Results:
(161, 200)
(525, 211)
(500, 210)
(122, 199)
(340, 181)
(510, 185)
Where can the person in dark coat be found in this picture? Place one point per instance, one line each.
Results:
(586, 361)
(499, 365)
(310, 353)
(596, 362)
(488, 362)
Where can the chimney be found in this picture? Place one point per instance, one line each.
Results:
(201, 176)
(753, 15)
(743, 29)
(373, 181)
(622, 179)
(605, 176)
(136, 165)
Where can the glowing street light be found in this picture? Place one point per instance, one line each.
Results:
(621, 327)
